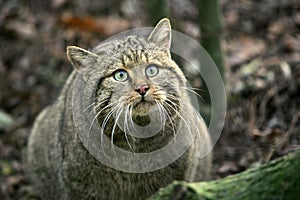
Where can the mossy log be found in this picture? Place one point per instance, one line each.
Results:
(278, 179)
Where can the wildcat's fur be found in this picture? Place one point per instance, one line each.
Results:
(59, 164)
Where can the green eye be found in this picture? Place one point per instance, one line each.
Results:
(121, 75)
(151, 70)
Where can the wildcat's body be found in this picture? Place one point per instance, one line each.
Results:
(59, 164)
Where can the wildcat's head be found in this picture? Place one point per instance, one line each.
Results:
(134, 74)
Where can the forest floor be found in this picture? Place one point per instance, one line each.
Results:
(262, 51)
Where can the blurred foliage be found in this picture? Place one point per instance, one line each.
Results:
(157, 9)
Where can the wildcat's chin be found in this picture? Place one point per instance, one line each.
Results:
(142, 108)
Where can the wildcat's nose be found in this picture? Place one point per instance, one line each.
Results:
(142, 89)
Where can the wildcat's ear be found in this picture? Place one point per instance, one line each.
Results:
(161, 35)
(81, 58)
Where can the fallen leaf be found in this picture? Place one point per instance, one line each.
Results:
(105, 26)
(22, 29)
(15, 180)
(278, 27)
(291, 43)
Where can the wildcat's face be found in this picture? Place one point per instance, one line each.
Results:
(141, 79)
(140, 86)
(135, 74)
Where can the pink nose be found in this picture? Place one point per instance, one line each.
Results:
(142, 89)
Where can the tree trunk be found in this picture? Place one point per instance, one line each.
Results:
(279, 179)
(211, 25)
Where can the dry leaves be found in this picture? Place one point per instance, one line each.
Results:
(244, 48)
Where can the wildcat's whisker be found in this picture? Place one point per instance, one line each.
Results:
(192, 90)
(167, 103)
(167, 111)
(126, 126)
(103, 125)
(172, 120)
(188, 115)
(107, 117)
(93, 105)
(104, 122)
(172, 98)
(126, 129)
(100, 103)
(96, 118)
(131, 122)
(118, 112)
(89, 106)
(162, 115)
(98, 113)
(173, 101)
(198, 117)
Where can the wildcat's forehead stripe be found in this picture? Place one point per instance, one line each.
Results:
(132, 57)
(130, 51)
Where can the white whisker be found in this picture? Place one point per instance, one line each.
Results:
(187, 114)
(192, 90)
(162, 115)
(179, 115)
(165, 113)
(95, 107)
(98, 113)
(131, 122)
(89, 106)
(105, 121)
(119, 111)
(126, 126)
(171, 121)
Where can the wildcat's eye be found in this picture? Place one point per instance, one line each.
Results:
(151, 70)
(121, 75)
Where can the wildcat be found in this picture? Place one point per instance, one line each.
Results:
(134, 77)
